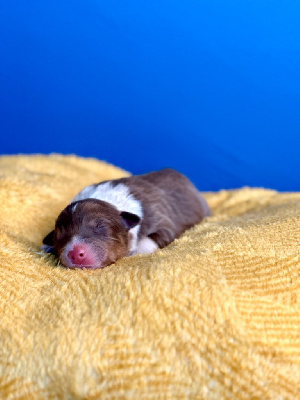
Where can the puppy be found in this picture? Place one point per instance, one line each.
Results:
(126, 216)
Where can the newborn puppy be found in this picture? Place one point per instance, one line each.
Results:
(126, 216)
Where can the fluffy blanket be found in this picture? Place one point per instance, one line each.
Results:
(214, 315)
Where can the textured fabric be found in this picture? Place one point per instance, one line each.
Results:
(214, 315)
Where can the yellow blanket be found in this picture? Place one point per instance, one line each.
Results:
(215, 315)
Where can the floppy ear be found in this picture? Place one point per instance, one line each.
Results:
(49, 239)
(129, 220)
(48, 243)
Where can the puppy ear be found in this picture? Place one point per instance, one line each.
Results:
(129, 220)
(48, 243)
(49, 239)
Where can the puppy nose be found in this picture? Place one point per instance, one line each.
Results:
(79, 255)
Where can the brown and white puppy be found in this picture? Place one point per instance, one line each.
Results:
(126, 216)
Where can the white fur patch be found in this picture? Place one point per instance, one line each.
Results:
(146, 246)
(118, 196)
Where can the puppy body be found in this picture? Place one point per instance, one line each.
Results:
(126, 216)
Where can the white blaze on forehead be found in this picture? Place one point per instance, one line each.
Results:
(118, 196)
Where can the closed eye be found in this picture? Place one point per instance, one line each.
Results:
(99, 228)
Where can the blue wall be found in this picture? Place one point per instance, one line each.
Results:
(210, 87)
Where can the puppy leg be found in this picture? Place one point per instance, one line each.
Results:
(146, 246)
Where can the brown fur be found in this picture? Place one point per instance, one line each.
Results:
(98, 224)
(170, 202)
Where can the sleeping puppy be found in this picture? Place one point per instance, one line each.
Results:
(126, 216)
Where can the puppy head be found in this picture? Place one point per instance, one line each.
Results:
(91, 234)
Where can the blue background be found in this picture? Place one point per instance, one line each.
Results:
(209, 87)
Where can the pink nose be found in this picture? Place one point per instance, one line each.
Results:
(81, 254)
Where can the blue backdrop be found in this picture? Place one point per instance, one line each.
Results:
(209, 87)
